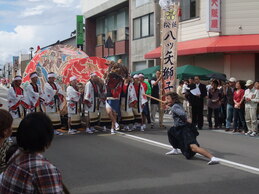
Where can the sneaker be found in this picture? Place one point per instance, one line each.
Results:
(173, 152)
(58, 133)
(213, 161)
(88, 131)
(142, 128)
(93, 129)
(117, 127)
(71, 132)
(112, 131)
(253, 134)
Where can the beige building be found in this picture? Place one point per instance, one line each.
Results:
(233, 50)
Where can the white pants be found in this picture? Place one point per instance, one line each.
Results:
(251, 119)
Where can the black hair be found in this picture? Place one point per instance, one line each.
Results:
(181, 82)
(6, 121)
(174, 96)
(35, 133)
(215, 82)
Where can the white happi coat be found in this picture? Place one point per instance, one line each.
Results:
(73, 98)
(141, 98)
(51, 105)
(14, 102)
(90, 97)
(131, 97)
(32, 98)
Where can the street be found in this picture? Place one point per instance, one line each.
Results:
(104, 163)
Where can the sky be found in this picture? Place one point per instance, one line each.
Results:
(29, 23)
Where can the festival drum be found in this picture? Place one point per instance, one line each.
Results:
(93, 118)
(55, 119)
(16, 123)
(75, 120)
(137, 115)
(127, 117)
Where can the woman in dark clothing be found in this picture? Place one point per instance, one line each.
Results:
(214, 104)
(183, 135)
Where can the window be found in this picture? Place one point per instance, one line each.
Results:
(143, 26)
(190, 9)
(141, 2)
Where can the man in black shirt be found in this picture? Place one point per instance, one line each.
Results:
(197, 101)
(155, 84)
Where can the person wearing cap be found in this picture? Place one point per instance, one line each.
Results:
(142, 99)
(250, 108)
(16, 102)
(229, 94)
(73, 97)
(54, 96)
(90, 100)
(33, 94)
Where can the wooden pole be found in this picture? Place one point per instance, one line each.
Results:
(159, 100)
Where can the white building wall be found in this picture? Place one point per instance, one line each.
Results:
(196, 28)
(240, 17)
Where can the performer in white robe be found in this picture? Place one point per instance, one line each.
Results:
(54, 96)
(128, 100)
(142, 99)
(16, 103)
(73, 98)
(104, 117)
(34, 95)
(91, 101)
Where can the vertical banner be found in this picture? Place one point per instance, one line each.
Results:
(169, 37)
(213, 19)
(79, 30)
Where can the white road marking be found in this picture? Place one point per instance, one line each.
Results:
(224, 162)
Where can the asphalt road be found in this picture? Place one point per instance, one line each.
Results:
(113, 164)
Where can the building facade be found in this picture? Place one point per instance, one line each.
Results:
(134, 27)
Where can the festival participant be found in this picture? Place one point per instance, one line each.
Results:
(54, 96)
(91, 100)
(128, 100)
(104, 117)
(146, 112)
(113, 104)
(16, 102)
(73, 97)
(142, 99)
(183, 135)
(34, 95)
(156, 85)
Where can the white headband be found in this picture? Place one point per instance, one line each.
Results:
(141, 75)
(135, 76)
(34, 75)
(72, 78)
(51, 75)
(17, 78)
(93, 74)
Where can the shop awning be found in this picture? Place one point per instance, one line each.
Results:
(219, 44)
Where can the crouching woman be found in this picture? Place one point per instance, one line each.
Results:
(183, 134)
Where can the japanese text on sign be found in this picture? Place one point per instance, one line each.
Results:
(213, 23)
(169, 26)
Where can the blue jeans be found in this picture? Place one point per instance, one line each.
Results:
(239, 119)
(230, 113)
